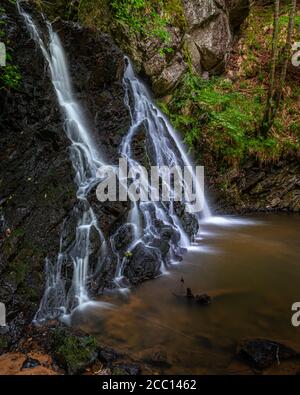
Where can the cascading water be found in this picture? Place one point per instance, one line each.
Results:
(86, 160)
(167, 152)
(147, 219)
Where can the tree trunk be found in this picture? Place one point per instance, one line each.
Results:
(269, 105)
(286, 56)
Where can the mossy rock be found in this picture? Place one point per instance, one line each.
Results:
(74, 352)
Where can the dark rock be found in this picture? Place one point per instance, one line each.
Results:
(259, 187)
(109, 355)
(263, 353)
(203, 299)
(156, 356)
(30, 363)
(39, 194)
(144, 264)
(238, 12)
(131, 369)
(73, 351)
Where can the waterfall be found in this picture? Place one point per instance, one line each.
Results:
(86, 159)
(167, 151)
(147, 219)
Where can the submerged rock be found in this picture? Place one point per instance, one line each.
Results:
(156, 356)
(199, 299)
(263, 353)
(203, 299)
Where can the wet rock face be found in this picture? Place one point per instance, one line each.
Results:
(97, 66)
(37, 189)
(143, 264)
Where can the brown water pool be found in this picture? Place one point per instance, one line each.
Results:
(250, 265)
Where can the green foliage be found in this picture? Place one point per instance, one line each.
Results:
(10, 77)
(129, 13)
(222, 117)
(214, 112)
(284, 21)
(143, 17)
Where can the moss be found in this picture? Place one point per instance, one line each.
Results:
(130, 21)
(74, 352)
(10, 76)
(3, 342)
(18, 271)
(119, 372)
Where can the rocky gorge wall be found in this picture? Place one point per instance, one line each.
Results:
(37, 189)
(175, 36)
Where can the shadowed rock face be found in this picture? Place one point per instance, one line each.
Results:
(238, 11)
(256, 187)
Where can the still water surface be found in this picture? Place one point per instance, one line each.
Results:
(251, 267)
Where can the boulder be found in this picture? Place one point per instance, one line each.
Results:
(73, 351)
(209, 34)
(143, 264)
(169, 77)
(263, 353)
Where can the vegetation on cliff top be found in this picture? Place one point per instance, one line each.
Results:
(10, 77)
(222, 115)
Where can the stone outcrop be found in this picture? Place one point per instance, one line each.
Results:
(201, 31)
(209, 32)
(210, 28)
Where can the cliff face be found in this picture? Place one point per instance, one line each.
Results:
(256, 187)
(37, 191)
(165, 38)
